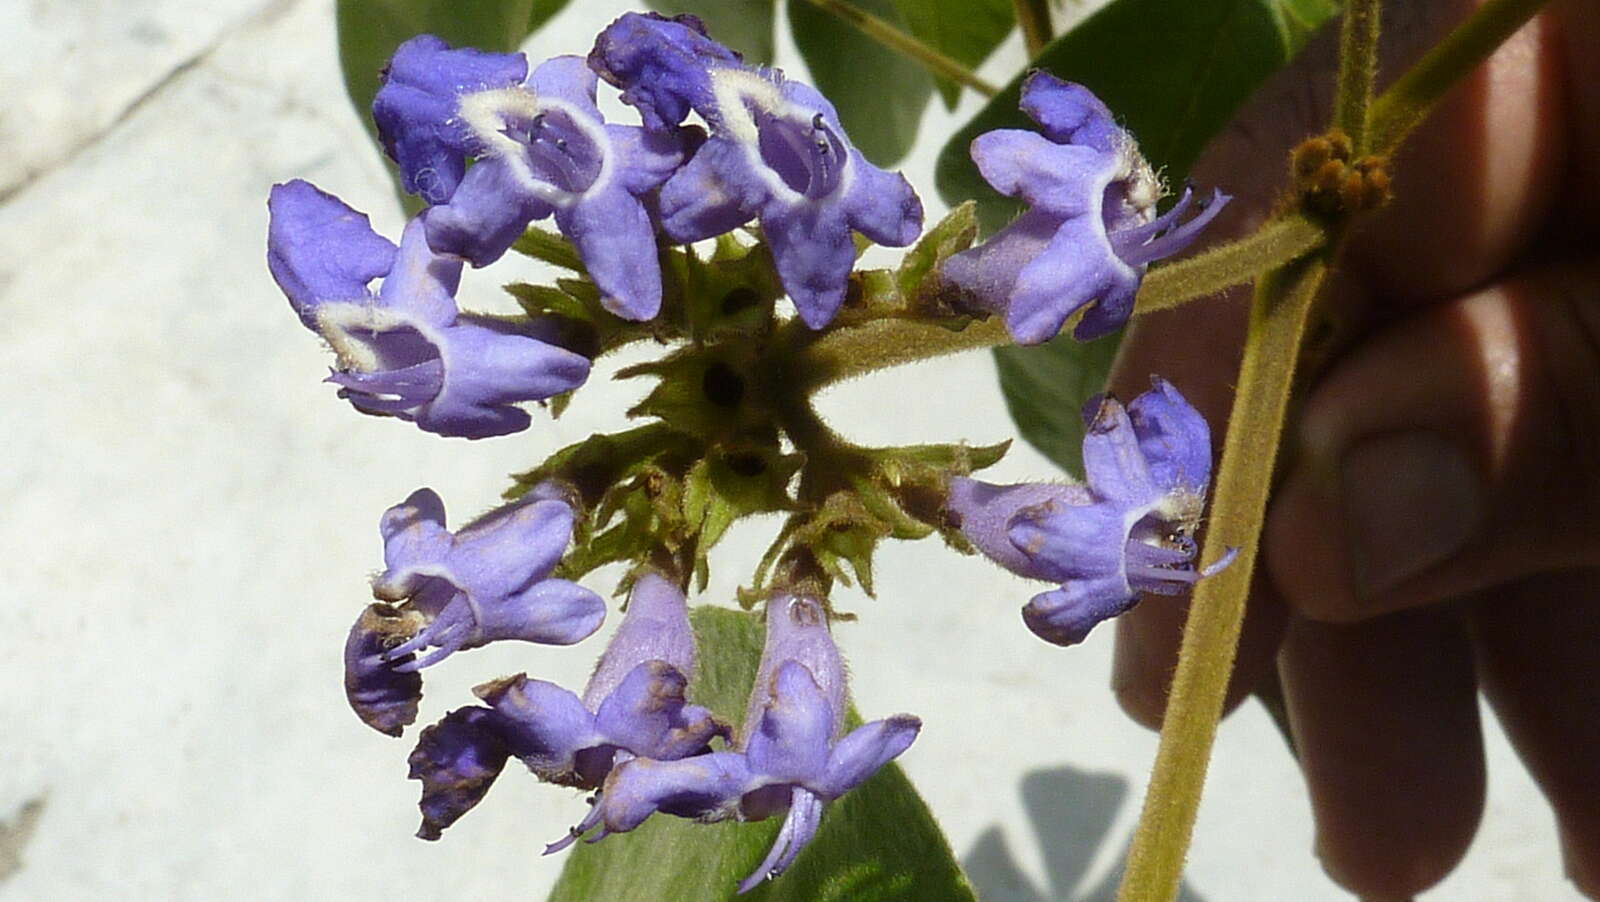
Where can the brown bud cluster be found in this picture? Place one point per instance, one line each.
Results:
(1331, 183)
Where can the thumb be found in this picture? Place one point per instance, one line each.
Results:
(1456, 450)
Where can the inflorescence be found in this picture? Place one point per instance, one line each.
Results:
(769, 176)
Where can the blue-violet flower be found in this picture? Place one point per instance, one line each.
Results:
(406, 351)
(776, 153)
(1091, 226)
(634, 705)
(542, 148)
(486, 582)
(415, 110)
(791, 757)
(545, 149)
(1127, 530)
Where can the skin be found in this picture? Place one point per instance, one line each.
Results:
(1431, 533)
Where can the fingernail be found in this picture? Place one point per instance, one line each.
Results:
(1411, 500)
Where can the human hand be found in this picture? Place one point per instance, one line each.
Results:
(1430, 533)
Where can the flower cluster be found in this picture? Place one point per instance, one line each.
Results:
(492, 145)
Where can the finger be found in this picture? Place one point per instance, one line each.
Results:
(1536, 644)
(1454, 452)
(1385, 719)
(1147, 651)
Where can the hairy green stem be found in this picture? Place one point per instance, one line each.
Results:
(1274, 244)
(1211, 634)
(893, 38)
(879, 344)
(1406, 103)
(1358, 63)
(1033, 17)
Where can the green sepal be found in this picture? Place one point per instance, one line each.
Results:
(708, 392)
(650, 508)
(595, 465)
(730, 295)
(951, 235)
(841, 531)
(729, 483)
(879, 843)
(551, 247)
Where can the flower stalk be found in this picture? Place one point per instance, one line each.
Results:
(1033, 17)
(1278, 315)
(1404, 105)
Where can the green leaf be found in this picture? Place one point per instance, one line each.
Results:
(965, 30)
(1174, 72)
(370, 30)
(1045, 387)
(744, 25)
(879, 93)
(878, 843)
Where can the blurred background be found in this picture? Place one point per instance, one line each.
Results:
(188, 521)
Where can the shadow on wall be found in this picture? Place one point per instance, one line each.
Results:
(1071, 812)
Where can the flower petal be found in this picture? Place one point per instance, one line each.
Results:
(457, 760)
(643, 708)
(319, 249)
(614, 237)
(1064, 179)
(416, 109)
(384, 699)
(488, 366)
(422, 283)
(660, 64)
(813, 251)
(705, 786)
(550, 612)
(1073, 541)
(1113, 460)
(1075, 268)
(714, 192)
(865, 749)
(790, 742)
(546, 725)
(882, 205)
(797, 631)
(1065, 616)
(510, 548)
(485, 215)
(1173, 437)
(1069, 113)
(655, 627)
(984, 512)
(987, 274)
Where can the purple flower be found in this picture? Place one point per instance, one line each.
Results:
(415, 109)
(1127, 530)
(776, 152)
(543, 148)
(486, 582)
(634, 703)
(405, 351)
(790, 758)
(1091, 227)
(659, 63)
